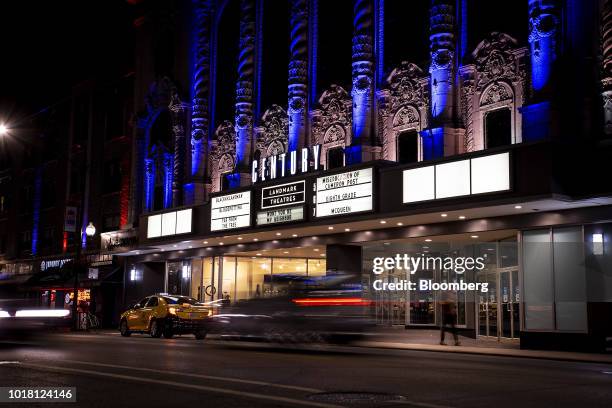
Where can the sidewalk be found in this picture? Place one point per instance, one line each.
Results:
(428, 340)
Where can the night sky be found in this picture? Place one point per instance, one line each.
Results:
(48, 46)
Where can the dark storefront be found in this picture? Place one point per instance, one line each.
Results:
(100, 280)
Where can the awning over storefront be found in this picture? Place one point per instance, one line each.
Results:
(63, 276)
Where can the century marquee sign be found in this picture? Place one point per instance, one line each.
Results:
(344, 193)
(286, 164)
(230, 211)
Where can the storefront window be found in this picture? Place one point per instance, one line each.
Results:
(196, 279)
(422, 306)
(245, 277)
(490, 313)
(210, 278)
(317, 267)
(289, 267)
(228, 284)
(261, 282)
(508, 252)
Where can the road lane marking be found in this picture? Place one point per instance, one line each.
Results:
(287, 400)
(208, 377)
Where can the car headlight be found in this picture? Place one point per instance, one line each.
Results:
(43, 313)
(172, 310)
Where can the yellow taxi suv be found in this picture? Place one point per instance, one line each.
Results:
(166, 315)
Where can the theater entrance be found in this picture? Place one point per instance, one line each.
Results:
(498, 309)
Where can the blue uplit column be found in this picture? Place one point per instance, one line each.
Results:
(543, 24)
(36, 202)
(149, 183)
(313, 42)
(379, 50)
(543, 33)
(298, 74)
(196, 191)
(244, 93)
(178, 110)
(440, 139)
(442, 51)
(168, 179)
(363, 83)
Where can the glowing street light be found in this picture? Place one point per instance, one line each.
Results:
(90, 230)
(3, 129)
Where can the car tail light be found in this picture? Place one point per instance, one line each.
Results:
(331, 302)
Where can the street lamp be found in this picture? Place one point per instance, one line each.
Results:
(90, 231)
(3, 129)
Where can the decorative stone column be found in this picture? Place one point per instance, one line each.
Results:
(244, 94)
(606, 77)
(363, 83)
(543, 23)
(298, 74)
(178, 111)
(149, 183)
(543, 33)
(36, 206)
(444, 137)
(467, 108)
(168, 178)
(196, 191)
(442, 51)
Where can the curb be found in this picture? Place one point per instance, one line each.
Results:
(533, 354)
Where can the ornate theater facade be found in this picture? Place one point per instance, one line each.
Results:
(493, 147)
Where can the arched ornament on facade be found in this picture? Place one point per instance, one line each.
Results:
(403, 106)
(495, 79)
(272, 132)
(223, 154)
(332, 122)
(271, 137)
(497, 93)
(496, 58)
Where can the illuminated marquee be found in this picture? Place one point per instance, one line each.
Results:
(167, 224)
(276, 199)
(345, 193)
(479, 175)
(230, 211)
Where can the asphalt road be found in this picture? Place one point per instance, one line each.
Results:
(111, 371)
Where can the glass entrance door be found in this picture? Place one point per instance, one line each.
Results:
(178, 278)
(498, 309)
(509, 303)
